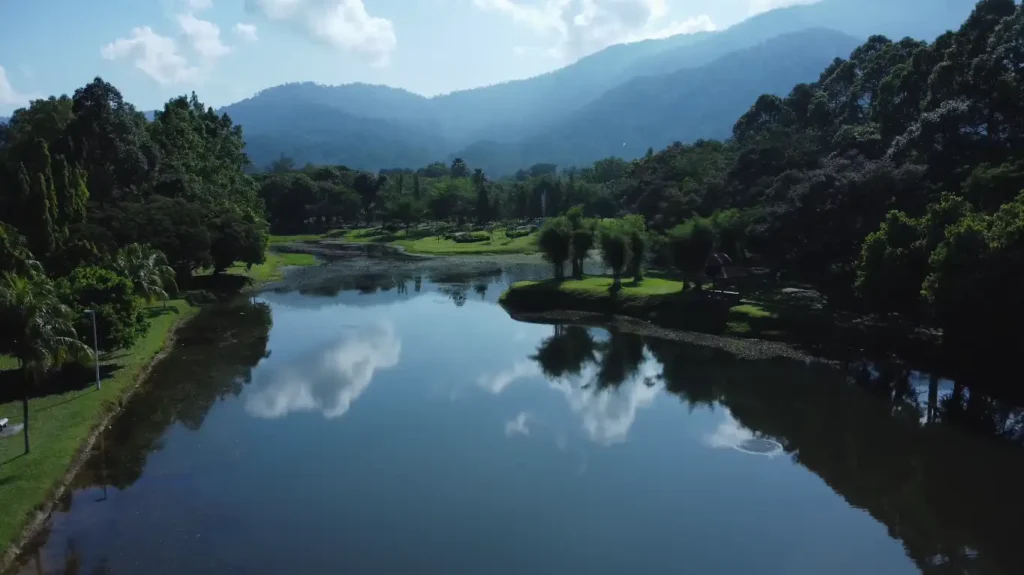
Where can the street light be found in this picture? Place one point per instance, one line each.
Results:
(95, 347)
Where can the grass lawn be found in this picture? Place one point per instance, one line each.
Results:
(271, 269)
(601, 287)
(431, 245)
(640, 299)
(296, 238)
(60, 423)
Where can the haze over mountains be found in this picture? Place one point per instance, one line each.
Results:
(619, 101)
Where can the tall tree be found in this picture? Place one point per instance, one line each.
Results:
(37, 329)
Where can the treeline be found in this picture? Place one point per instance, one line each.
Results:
(893, 183)
(102, 210)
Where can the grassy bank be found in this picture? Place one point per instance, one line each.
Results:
(273, 268)
(769, 316)
(659, 300)
(61, 421)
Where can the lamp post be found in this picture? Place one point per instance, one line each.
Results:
(95, 347)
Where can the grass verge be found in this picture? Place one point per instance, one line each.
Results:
(61, 422)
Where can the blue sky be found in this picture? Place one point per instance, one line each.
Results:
(226, 50)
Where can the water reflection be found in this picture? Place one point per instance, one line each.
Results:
(220, 349)
(768, 466)
(326, 381)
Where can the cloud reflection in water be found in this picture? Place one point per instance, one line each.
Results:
(331, 381)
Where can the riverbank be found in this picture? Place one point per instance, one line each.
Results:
(792, 316)
(65, 418)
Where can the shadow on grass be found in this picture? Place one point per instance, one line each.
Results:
(73, 377)
(10, 460)
(155, 312)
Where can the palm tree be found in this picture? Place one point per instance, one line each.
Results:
(37, 329)
(147, 269)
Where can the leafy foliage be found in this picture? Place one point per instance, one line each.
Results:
(119, 317)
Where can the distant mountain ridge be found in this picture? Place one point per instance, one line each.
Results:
(373, 127)
(687, 105)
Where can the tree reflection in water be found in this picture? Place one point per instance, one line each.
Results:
(216, 353)
(941, 470)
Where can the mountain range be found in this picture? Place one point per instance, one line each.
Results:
(619, 101)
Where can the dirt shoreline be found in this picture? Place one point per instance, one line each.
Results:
(38, 519)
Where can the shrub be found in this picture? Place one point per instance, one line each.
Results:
(615, 247)
(555, 242)
(119, 316)
(470, 237)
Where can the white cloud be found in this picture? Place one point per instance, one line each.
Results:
(517, 425)
(759, 6)
(577, 28)
(157, 56)
(497, 382)
(246, 32)
(341, 24)
(161, 58)
(730, 434)
(203, 36)
(607, 414)
(330, 383)
(198, 5)
(8, 95)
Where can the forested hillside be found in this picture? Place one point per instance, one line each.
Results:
(494, 124)
(655, 111)
(892, 183)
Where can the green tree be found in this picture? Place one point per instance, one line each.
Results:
(120, 320)
(691, 243)
(615, 248)
(483, 202)
(892, 265)
(637, 232)
(37, 329)
(148, 271)
(582, 243)
(555, 243)
(236, 238)
(459, 168)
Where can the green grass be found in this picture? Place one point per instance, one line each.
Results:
(655, 299)
(60, 423)
(601, 286)
(751, 311)
(271, 269)
(296, 238)
(431, 245)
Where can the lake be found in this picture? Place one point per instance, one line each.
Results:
(408, 425)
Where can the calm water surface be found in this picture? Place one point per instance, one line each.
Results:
(365, 430)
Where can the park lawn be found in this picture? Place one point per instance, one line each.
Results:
(431, 245)
(296, 238)
(272, 268)
(500, 244)
(600, 286)
(637, 298)
(61, 423)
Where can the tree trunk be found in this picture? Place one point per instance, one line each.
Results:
(933, 398)
(24, 416)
